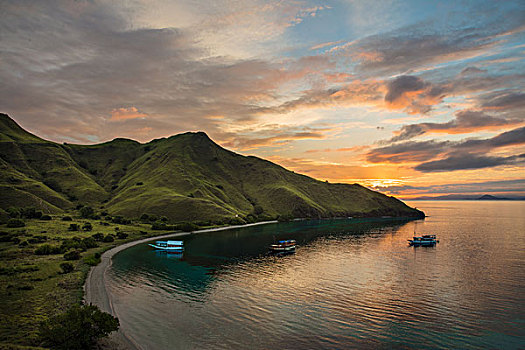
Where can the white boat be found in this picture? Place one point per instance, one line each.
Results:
(283, 246)
(424, 240)
(170, 246)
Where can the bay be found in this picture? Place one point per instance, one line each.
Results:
(351, 284)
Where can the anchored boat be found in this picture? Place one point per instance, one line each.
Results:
(283, 246)
(424, 240)
(170, 246)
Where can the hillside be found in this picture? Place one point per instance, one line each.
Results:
(186, 177)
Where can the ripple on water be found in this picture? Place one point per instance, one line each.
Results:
(348, 285)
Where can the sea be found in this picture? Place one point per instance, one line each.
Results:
(351, 284)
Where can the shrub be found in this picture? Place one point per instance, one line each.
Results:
(37, 239)
(144, 217)
(13, 212)
(164, 219)
(285, 217)
(78, 328)
(86, 212)
(66, 267)
(140, 183)
(122, 235)
(120, 220)
(92, 260)
(162, 226)
(45, 217)
(98, 237)
(87, 226)
(73, 227)
(15, 223)
(72, 255)
(251, 219)
(258, 210)
(188, 227)
(47, 249)
(67, 218)
(89, 243)
(73, 243)
(31, 213)
(237, 221)
(109, 239)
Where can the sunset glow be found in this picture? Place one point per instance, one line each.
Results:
(411, 98)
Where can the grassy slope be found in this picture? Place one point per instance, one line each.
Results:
(41, 173)
(185, 177)
(190, 177)
(28, 297)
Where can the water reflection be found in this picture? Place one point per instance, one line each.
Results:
(349, 285)
(209, 255)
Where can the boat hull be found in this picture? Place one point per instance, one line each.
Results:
(422, 244)
(282, 249)
(168, 249)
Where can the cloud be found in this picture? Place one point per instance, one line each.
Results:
(270, 136)
(336, 172)
(412, 94)
(407, 152)
(468, 161)
(466, 121)
(86, 61)
(447, 155)
(515, 187)
(422, 45)
(503, 100)
(124, 113)
(327, 44)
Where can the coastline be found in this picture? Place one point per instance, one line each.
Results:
(95, 291)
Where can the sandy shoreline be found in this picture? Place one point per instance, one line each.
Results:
(95, 291)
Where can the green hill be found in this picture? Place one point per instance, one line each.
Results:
(186, 177)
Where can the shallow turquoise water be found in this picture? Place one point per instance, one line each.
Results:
(351, 284)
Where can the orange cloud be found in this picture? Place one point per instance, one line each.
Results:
(124, 113)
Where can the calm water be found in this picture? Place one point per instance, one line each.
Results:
(351, 284)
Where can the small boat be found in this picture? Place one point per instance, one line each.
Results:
(424, 240)
(283, 246)
(169, 246)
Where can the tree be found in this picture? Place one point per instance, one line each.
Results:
(78, 328)
(87, 212)
(122, 235)
(87, 226)
(66, 267)
(72, 255)
(98, 237)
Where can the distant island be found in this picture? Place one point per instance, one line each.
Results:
(461, 197)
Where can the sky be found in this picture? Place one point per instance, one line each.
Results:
(411, 98)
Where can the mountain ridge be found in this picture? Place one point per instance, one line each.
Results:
(185, 177)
